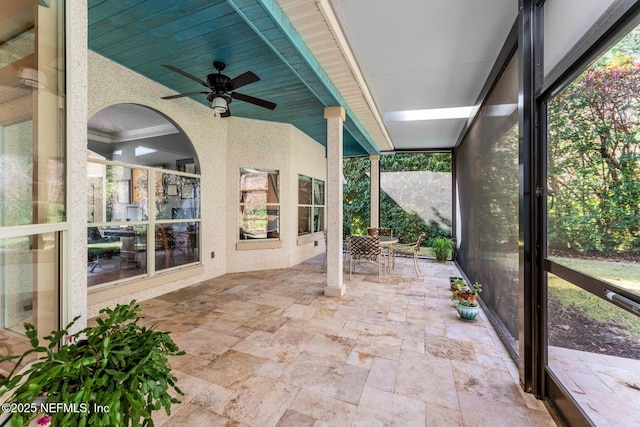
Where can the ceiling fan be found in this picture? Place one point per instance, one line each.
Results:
(222, 89)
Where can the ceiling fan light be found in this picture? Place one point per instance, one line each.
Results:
(219, 105)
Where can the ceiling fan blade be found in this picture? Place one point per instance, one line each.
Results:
(242, 80)
(184, 94)
(256, 101)
(184, 73)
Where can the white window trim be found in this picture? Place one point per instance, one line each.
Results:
(312, 206)
(151, 221)
(251, 244)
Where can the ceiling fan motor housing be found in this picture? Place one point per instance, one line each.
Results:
(218, 82)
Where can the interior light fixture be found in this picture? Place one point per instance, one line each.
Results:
(219, 105)
(429, 114)
(141, 150)
(32, 77)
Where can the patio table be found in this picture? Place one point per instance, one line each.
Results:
(387, 242)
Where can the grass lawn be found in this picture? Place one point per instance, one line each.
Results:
(623, 274)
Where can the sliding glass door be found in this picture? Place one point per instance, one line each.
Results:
(592, 262)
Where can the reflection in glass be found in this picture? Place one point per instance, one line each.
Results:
(318, 192)
(318, 219)
(310, 200)
(22, 174)
(258, 186)
(116, 193)
(259, 221)
(170, 150)
(259, 213)
(304, 190)
(177, 197)
(32, 143)
(29, 284)
(594, 349)
(116, 253)
(176, 244)
(304, 220)
(120, 196)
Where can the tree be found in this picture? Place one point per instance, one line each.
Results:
(408, 225)
(593, 160)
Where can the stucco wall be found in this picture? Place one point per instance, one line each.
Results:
(110, 83)
(273, 146)
(222, 147)
(304, 161)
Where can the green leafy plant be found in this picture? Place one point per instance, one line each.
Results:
(467, 303)
(113, 374)
(475, 289)
(459, 283)
(464, 292)
(442, 248)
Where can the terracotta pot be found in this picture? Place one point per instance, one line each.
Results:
(468, 297)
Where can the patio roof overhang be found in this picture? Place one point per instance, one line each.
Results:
(246, 35)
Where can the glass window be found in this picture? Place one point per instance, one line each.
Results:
(155, 141)
(32, 169)
(305, 186)
(310, 205)
(176, 244)
(122, 221)
(117, 193)
(318, 192)
(593, 232)
(259, 210)
(594, 168)
(29, 275)
(177, 197)
(116, 253)
(32, 182)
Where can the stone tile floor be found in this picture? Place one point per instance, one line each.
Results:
(607, 388)
(267, 348)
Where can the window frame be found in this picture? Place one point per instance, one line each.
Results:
(151, 223)
(242, 205)
(311, 226)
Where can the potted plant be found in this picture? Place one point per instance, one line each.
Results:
(469, 293)
(467, 310)
(453, 280)
(457, 284)
(442, 248)
(114, 374)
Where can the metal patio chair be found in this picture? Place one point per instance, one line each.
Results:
(410, 250)
(365, 248)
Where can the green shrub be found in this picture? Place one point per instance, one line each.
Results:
(442, 248)
(113, 374)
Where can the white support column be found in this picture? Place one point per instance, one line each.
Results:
(374, 170)
(335, 286)
(73, 290)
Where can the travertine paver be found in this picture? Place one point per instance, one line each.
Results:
(269, 349)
